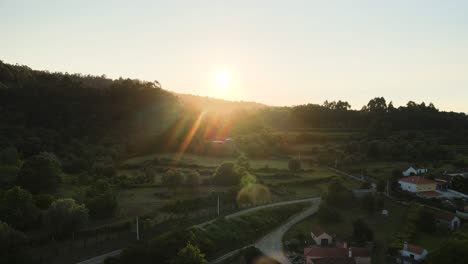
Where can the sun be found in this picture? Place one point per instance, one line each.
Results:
(222, 80)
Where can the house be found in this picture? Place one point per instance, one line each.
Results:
(417, 184)
(451, 221)
(337, 255)
(411, 254)
(411, 171)
(320, 237)
(443, 182)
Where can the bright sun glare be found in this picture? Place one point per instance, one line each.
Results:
(222, 80)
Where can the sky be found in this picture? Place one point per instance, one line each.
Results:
(274, 52)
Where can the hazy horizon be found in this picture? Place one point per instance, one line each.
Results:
(269, 52)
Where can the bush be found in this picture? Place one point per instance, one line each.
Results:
(100, 199)
(65, 216)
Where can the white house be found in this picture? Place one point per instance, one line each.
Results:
(416, 184)
(320, 237)
(411, 254)
(451, 221)
(411, 171)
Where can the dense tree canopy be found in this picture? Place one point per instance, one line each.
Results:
(65, 216)
(17, 208)
(40, 172)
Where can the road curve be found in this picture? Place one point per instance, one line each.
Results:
(253, 209)
(272, 244)
(100, 259)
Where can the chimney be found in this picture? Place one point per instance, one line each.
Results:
(350, 253)
(405, 246)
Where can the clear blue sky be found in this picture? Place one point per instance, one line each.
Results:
(277, 52)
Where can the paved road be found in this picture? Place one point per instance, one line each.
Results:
(100, 259)
(253, 209)
(272, 244)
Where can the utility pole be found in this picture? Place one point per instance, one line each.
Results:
(137, 229)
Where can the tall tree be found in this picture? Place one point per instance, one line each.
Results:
(65, 216)
(40, 173)
(18, 209)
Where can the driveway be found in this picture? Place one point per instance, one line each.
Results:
(272, 244)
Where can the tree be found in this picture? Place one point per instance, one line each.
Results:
(328, 214)
(100, 199)
(190, 254)
(9, 176)
(193, 179)
(453, 251)
(294, 164)
(362, 232)
(337, 194)
(18, 209)
(378, 104)
(11, 244)
(173, 178)
(243, 161)
(228, 173)
(9, 156)
(40, 173)
(65, 216)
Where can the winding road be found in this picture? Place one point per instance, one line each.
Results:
(272, 243)
(100, 259)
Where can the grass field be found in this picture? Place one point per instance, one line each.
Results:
(212, 161)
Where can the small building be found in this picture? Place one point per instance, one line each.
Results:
(412, 171)
(443, 182)
(417, 184)
(451, 221)
(320, 237)
(337, 255)
(411, 254)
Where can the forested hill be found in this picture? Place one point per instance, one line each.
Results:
(82, 117)
(79, 116)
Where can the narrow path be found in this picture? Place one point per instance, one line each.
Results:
(100, 259)
(272, 243)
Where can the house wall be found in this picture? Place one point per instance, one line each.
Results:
(318, 239)
(426, 187)
(406, 253)
(406, 186)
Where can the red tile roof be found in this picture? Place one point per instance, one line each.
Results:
(445, 216)
(415, 249)
(429, 194)
(317, 230)
(335, 252)
(416, 180)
